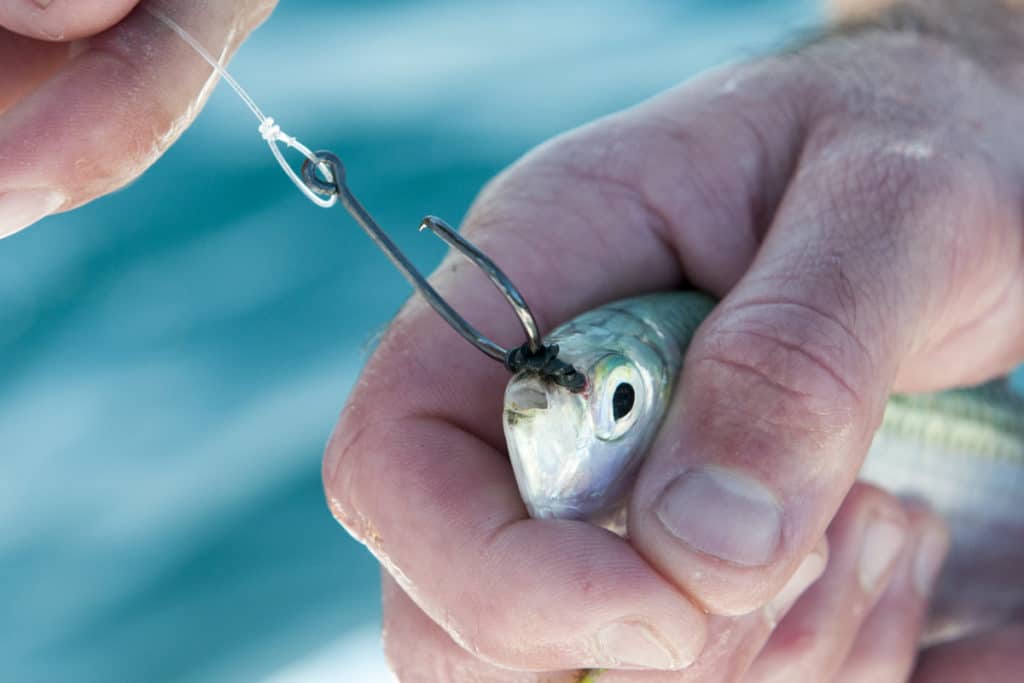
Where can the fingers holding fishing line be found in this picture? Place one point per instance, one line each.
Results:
(105, 115)
(863, 270)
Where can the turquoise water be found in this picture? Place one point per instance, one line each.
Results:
(174, 356)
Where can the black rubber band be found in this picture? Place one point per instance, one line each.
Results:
(546, 364)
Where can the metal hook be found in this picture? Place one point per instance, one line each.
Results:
(494, 274)
(533, 355)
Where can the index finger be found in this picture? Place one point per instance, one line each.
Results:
(416, 467)
(97, 121)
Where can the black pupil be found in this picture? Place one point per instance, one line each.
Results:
(622, 400)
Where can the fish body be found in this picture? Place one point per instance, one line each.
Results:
(962, 452)
(575, 455)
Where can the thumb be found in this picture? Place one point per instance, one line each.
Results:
(786, 382)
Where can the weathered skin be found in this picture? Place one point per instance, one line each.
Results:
(961, 452)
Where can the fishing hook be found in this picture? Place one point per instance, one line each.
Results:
(533, 355)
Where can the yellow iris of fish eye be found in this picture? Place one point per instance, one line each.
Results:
(609, 374)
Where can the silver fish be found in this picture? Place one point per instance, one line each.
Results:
(575, 455)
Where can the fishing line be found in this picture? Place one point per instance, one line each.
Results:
(323, 182)
(269, 130)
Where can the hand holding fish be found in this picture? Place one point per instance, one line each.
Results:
(92, 93)
(856, 206)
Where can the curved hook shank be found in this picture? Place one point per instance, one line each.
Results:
(494, 274)
(338, 186)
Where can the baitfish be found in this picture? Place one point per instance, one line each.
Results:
(575, 454)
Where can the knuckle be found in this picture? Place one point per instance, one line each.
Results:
(899, 210)
(883, 185)
(906, 206)
(800, 364)
(879, 76)
(901, 175)
(888, 144)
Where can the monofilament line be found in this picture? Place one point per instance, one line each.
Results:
(269, 130)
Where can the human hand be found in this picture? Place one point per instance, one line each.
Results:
(856, 204)
(858, 623)
(92, 93)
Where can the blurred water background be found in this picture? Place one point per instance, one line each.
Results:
(174, 356)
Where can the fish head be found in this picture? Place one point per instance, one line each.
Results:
(574, 454)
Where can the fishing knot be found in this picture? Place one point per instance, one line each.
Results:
(269, 130)
(545, 363)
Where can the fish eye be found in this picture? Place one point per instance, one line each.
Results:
(618, 397)
(622, 400)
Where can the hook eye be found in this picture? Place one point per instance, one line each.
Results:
(326, 175)
(275, 137)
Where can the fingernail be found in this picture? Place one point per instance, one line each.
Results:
(931, 551)
(882, 542)
(724, 514)
(634, 645)
(809, 571)
(22, 208)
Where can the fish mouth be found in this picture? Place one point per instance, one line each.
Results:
(524, 398)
